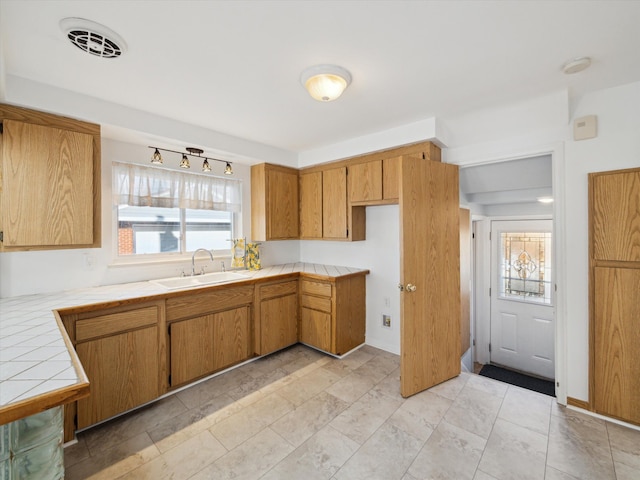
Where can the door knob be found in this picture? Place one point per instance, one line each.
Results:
(411, 287)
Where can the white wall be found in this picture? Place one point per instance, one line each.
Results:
(617, 146)
(380, 253)
(24, 273)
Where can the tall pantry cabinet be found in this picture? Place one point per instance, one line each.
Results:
(614, 249)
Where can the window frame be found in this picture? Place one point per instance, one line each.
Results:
(172, 257)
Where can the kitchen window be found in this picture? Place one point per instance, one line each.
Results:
(161, 212)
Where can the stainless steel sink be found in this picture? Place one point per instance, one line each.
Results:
(173, 283)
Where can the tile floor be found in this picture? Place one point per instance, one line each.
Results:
(299, 414)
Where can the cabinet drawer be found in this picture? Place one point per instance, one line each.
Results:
(278, 289)
(316, 303)
(316, 288)
(200, 303)
(115, 322)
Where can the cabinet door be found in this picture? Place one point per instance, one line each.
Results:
(365, 181)
(123, 373)
(231, 337)
(204, 344)
(278, 323)
(334, 203)
(311, 205)
(47, 186)
(390, 178)
(191, 349)
(616, 216)
(315, 328)
(282, 204)
(617, 343)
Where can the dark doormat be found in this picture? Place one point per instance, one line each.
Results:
(518, 379)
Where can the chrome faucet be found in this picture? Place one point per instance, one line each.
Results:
(193, 259)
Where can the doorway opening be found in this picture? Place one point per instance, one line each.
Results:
(513, 286)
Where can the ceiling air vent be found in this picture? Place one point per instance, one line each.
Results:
(93, 38)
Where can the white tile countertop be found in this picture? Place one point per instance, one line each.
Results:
(35, 361)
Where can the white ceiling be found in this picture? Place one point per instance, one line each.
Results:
(234, 66)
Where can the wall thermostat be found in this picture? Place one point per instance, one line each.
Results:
(585, 127)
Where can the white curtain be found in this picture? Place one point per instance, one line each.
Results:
(141, 186)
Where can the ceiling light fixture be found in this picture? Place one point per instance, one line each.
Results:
(325, 82)
(576, 65)
(156, 158)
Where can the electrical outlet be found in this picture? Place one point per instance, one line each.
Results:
(386, 321)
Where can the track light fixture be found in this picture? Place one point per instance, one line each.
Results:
(156, 159)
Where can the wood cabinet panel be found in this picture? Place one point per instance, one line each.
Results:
(279, 323)
(391, 178)
(201, 303)
(278, 289)
(110, 324)
(274, 202)
(344, 302)
(315, 328)
(205, 344)
(47, 189)
(191, 344)
(49, 199)
(315, 288)
(317, 303)
(232, 337)
(334, 203)
(350, 314)
(123, 372)
(311, 205)
(617, 343)
(616, 216)
(365, 181)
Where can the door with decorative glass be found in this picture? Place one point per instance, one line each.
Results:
(522, 312)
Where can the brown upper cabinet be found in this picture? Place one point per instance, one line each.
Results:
(324, 210)
(334, 204)
(311, 205)
(50, 169)
(274, 202)
(327, 201)
(365, 182)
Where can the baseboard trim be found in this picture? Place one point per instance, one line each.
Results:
(574, 402)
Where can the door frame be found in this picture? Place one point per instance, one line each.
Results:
(481, 226)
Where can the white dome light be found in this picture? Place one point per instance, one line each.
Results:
(325, 82)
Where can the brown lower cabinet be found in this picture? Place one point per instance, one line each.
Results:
(333, 313)
(120, 351)
(135, 352)
(278, 313)
(205, 344)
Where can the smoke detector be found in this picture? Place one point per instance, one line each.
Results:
(93, 38)
(576, 65)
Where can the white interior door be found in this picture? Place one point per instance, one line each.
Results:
(522, 311)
